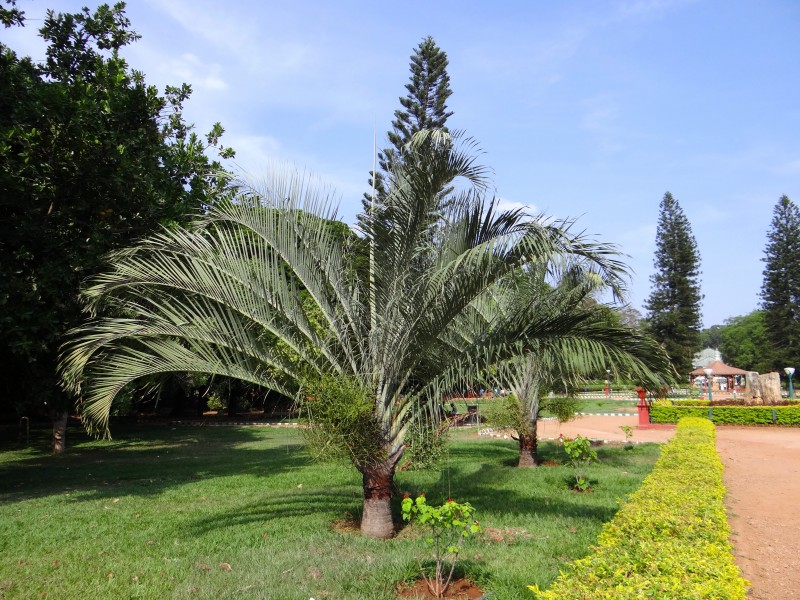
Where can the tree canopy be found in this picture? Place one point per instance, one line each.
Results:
(780, 291)
(91, 158)
(423, 107)
(674, 302)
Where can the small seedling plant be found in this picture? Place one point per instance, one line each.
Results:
(628, 431)
(448, 525)
(580, 454)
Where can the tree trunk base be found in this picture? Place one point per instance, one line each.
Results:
(528, 451)
(378, 481)
(60, 432)
(376, 521)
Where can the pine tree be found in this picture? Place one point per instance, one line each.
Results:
(780, 291)
(424, 107)
(674, 303)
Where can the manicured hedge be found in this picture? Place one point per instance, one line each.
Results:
(670, 540)
(728, 415)
(689, 402)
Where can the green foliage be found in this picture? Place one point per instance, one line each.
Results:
(580, 454)
(341, 420)
(507, 413)
(670, 540)
(91, 158)
(780, 291)
(674, 303)
(423, 107)
(426, 445)
(448, 526)
(745, 343)
(729, 415)
(628, 431)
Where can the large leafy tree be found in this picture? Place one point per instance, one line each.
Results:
(745, 343)
(423, 107)
(91, 158)
(674, 303)
(212, 297)
(780, 291)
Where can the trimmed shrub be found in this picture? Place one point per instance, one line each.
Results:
(670, 540)
(728, 415)
(691, 402)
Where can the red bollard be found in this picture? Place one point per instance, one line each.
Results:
(644, 409)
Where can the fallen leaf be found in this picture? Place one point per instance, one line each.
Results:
(299, 486)
(115, 500)
(110, 576)
(135, 579)
(204, 567)
(226, 566)
(265, 535)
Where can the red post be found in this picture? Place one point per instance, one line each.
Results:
(644, 408)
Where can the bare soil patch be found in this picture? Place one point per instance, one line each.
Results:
(762, 475)
(460, 589)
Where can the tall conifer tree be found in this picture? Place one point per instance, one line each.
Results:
(423, 107)
(674, 303)
(780, 291)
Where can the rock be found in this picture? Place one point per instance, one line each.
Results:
(763, 388)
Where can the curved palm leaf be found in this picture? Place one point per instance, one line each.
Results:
(262, 289)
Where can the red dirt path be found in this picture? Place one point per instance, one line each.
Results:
(762, 475)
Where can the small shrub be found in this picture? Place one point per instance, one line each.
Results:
(580, 454)
(449, 525)
(628, 431)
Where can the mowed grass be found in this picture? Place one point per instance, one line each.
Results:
(244, 513)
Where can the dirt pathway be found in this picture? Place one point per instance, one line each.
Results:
(762, 475)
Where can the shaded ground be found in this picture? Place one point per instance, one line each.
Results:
(762, 474)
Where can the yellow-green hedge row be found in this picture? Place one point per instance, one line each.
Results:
(729, 415)
(670, 540)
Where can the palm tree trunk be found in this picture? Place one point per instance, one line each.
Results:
(528, 448)
(378, 481)
(60, 432)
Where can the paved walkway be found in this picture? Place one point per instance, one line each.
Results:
(762, 475)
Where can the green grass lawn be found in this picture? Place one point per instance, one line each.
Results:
(243, 513)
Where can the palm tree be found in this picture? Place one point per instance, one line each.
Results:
(588, 341)
(259, 289)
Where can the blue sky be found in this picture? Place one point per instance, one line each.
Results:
(590, 110)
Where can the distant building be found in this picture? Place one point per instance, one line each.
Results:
(705, 357)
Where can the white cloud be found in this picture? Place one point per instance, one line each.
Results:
(188, 67)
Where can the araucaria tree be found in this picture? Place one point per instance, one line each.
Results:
(674, 303)
(423, 107)
(780, 292)
(383, 346)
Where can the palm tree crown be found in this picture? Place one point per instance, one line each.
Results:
(262, 289)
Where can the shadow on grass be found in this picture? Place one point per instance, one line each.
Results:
(485, 474)
(284, 506)
(147, 460)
